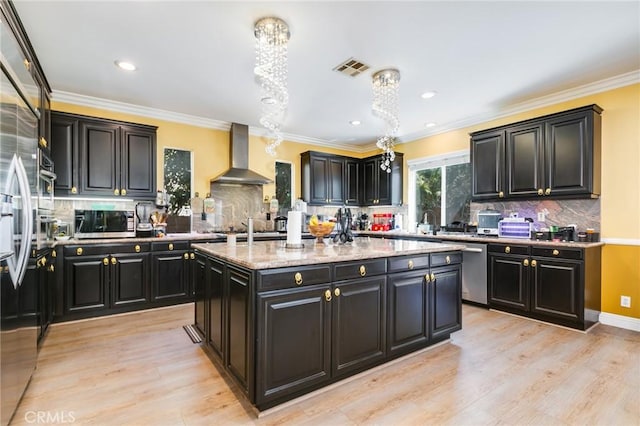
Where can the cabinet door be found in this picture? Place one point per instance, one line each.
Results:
(487, 165)
(239, 327)
(87, 283)
(64, 145)
(445, 299)
(199, 278)
(99, 158)
(524, 160)
(335, 180)
(170, 276)
(129, 279)
(509, 282)
(358, 326)
(569, 154)
(214, 292)
(294, 341)
(138, 161)
(318, 180)
(352, 182)
(370, 181)
(408, 310)
(556, 288)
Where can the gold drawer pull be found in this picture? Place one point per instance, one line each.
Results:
(54, 254)
(298, 279)
(556, 252)
(79, 251)
(501, 194)
(363, 270)
(540, 191)
(192, 256)
(116, 192)
(533, 263)
(113, 261)
(186, 256)
(336, 292)
(74, 190)
(448, 260)
(123, 192)
(327, 295)
(170, 246)
(507, 249)
(105, 261)
(525, 262)
(52, 268)
(427, 278)
(547, 191)
(410, 265)
(433, 277)
(137, 248)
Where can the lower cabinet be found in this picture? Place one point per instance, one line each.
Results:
(558, 285)
(445, 301)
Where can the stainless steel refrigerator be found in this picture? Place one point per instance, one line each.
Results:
(18, 175)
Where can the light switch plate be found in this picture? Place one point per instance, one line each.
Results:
(625, 301)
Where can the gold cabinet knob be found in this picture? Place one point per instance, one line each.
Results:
(49, 189)
(54, 254)
(27, 64)
(433, 277)
(555, 252)
(501, 194)
(192, 256)
(507, 249)
(525, 262)
(186, 256)
(137, 248)
(533, 263)
(105, 261)
(170, 246)
(123, 192)
(547, 191)
(113, 261)
(116, 191)
(540, 191)
(52, 268)
(74, 190)
(448, 260)
(44, 260)
(336, 292)
(363, 270)
(410, 264)
(327, 295)
(427, 278)
(298, 278)
(79, 251)
(43, 142)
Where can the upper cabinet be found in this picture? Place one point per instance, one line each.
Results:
(552, 156)
(338, 180)
(100, 157)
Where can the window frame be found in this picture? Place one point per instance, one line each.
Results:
(417, 164)
(191, 167)
(292, 180)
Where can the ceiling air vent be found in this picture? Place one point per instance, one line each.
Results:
(351, 67)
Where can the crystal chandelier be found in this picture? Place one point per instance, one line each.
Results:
(386, 85)
(272, 35)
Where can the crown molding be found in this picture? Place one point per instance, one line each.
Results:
(611, 83)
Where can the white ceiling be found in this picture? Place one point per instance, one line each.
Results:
(196, 57)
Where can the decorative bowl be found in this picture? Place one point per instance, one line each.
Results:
(321, 230)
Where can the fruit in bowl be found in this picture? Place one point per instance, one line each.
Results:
(320, 229)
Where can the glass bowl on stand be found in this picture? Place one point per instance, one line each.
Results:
(321, 230)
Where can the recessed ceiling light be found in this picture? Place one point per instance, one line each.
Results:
(428, 95)
(355, 122)
(127, 66)
(429, 124)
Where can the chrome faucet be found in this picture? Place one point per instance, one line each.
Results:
(249, 231)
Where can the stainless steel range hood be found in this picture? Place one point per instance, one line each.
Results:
(239, 172)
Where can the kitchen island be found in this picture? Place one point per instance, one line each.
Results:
(283, 322)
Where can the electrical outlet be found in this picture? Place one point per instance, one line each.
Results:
(541, 217)
(625, 301)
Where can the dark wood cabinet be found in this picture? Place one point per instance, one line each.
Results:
(214, 305)
(557, 155)
(408, 312)
(100, 157)
(379, 186)
(323, 178)
(129, 276)
(445, 301)
(201, 314)
(171, 275)
(87, 283)
(558, 285)
(238, 327)
(337, 180)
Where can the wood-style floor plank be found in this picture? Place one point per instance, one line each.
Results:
(142, 369)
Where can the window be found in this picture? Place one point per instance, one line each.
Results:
(177, 178)
(440, 189)
(284, 185)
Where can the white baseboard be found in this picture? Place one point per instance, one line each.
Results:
(620, 321)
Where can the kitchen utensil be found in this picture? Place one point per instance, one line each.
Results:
(280, 224)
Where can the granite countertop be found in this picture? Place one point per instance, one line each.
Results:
(274, 254)
(479, 239)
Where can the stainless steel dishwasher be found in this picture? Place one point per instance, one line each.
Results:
(474, 273)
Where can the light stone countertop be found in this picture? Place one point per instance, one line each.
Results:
(473, 238)
(274, 254)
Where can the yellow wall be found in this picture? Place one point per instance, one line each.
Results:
(620, 199)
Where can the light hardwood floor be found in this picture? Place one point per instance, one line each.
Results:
(142, 369)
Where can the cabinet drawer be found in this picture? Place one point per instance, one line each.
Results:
(559, 252)
(408, 263)
(446, 258)
(358, 269)
(293, 277)
(88, 250)
(509, 249)
(170, 245)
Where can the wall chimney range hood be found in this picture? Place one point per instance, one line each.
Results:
(239, 172)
